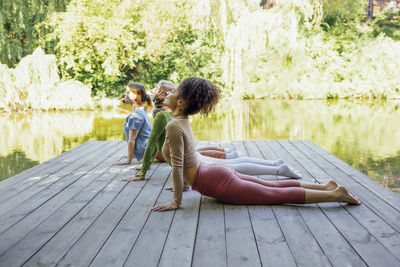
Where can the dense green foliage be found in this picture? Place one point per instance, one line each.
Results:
(387, 22)
(108, 43)
(282, 48)
(21, 30)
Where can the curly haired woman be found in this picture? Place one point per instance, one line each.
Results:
(196, 95)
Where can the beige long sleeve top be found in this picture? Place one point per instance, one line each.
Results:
(179, 150)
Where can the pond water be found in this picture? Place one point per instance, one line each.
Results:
(364, 134)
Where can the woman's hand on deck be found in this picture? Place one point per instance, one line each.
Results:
(185, 188)
(136, 168)
(165, 207)
(124, 162)
(137, 178)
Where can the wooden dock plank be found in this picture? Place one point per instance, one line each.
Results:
(117, 247)
(210, 246)
(241, 246)
(23, 176)
(55, 249)
(178, 249)
(149, 245)
(85, 249)
(376, 226)
(273, 248)
(29, 219)
(35, 239)
(45, 181)
(80, 213)
(390, 197)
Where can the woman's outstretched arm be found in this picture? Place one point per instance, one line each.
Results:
(151, 148)
(131, 146)
(174, 139)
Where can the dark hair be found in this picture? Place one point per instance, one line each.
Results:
(163, 87)
(140, 91)
(199, 94)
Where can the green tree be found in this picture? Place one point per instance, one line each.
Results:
(106, 44)
(18, 34)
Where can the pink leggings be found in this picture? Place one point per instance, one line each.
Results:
(227, 185)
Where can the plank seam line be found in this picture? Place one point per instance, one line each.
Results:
(43, 203)
(297, 209)
(195, 233)
(96, 220)
(248, 212)
(352, 177)
(366, 205)
(147, 218)
(64, 165)
(360, 223)
(100, 191)
(123, 215)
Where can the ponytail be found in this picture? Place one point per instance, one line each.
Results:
(142, 99)
(148, 103)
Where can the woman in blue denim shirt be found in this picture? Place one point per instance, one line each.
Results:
(137, 125)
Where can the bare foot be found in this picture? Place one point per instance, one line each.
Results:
(331, 185)
(345, 196)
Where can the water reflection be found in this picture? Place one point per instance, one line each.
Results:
(366, 135)
(363, 134)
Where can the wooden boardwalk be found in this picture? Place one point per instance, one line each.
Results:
(74, 210)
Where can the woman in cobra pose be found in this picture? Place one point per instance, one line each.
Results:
(137, 125)
(244, 165)
(196, 95)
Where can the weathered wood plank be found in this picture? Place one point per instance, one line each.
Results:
(55, 249)
(116, 249)
(35, 239)
(42, 174)
(241, 246)
(375, 225)
(210, 246)
(390, 197)
(29, 219)
(89, 244)
(178, 249)
(43, 182)
(22, 176)
(271, 242)
(273, 248)
(149, 245)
